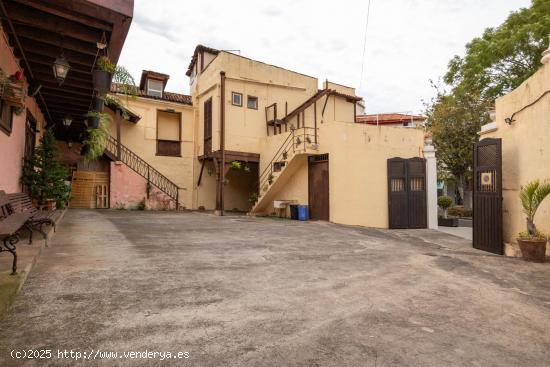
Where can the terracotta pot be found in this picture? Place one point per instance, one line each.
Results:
(532, 250)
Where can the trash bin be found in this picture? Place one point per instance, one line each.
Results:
(303, 213)
(294, 212)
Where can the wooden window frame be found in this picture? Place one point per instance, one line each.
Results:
(160, 154)
(233, 94)
(248, 101)
(207, 129)
(6, 113)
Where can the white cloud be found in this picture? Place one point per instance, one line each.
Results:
(408, 41)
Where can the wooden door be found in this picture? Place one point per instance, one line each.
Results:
(84, 189)
(487, 196)
(319, 208)
(407, 193)
(208, 126)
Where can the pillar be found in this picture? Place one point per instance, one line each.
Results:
(431, 184)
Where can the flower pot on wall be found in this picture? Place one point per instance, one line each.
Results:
(102, 81)
(532, 249)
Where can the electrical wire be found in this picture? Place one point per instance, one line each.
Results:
(364, 46)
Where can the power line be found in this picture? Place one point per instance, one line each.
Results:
(364, 46)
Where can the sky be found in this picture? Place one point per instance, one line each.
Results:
(408, 42)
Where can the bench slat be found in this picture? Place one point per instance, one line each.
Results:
(13, 223)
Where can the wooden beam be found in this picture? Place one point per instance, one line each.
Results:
(61, 10)
(21, 14)
(47, 62)
(74, 91)
(43, 49)
(54, 40)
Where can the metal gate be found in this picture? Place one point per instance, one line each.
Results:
(487, 196)
(407, 193)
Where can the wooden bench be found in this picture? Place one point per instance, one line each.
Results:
(10, 225)
(21, 203)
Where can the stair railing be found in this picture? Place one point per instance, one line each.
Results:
(296, 141)
(142, 168)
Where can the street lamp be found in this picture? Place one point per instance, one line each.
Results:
(67, 121)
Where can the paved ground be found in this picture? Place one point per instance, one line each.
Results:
(239, 291)
(464, 232)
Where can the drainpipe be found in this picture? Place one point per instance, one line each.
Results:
(222, 140)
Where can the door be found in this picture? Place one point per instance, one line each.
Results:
(208, 126)
(407, 193)
(318, 187)
(487, 196)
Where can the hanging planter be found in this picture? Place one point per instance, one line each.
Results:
(103, 75)
(98, 103)
(102, 81)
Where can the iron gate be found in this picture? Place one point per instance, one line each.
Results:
(487, 196)
(407, 193)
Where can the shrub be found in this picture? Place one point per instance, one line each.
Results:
(444, 202)
(141, 205)
(460, 211)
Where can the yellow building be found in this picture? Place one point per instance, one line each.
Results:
(521, 122)
(252, 129)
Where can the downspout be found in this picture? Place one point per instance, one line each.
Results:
(222, 140)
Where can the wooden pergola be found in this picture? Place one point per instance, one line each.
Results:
(40, 31)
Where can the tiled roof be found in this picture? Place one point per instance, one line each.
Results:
(388, 118)
(166, 96)
(198, 49)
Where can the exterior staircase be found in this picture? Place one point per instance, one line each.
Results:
(298, 144)
(118, 152)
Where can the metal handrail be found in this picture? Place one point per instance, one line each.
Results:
(142, 168)
(293, 139)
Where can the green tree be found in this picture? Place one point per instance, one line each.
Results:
(454, 119)
(43, 175)
(505, 56)
(495, 63)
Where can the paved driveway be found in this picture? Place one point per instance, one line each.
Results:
(238, 291)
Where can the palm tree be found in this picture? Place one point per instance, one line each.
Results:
(531, 196)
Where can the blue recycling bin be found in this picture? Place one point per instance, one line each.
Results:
(303, 212)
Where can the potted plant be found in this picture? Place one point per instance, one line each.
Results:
(532, 243)
(94, 145)
(44, 176)
(103, 75)
(97, 104)
(445, 202)
(107, 72)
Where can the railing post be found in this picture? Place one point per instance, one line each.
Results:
(177, 199)
(293, 141)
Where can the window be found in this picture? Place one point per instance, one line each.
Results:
(6, 116)
(208, 126)
(154, 87)
(169, 133)
(252, 102)
(236, 99)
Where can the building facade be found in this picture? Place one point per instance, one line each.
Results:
(252, 135)
(521, 122)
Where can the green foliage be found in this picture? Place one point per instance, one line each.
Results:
(142, 205)
(444, 202)
(531, 196)
(536, 236)
(495, 63)
(505, 56)
(97, 138)
(236, 165)
(43, 175)
(253, 198)
(120, 75)
(460, 211)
